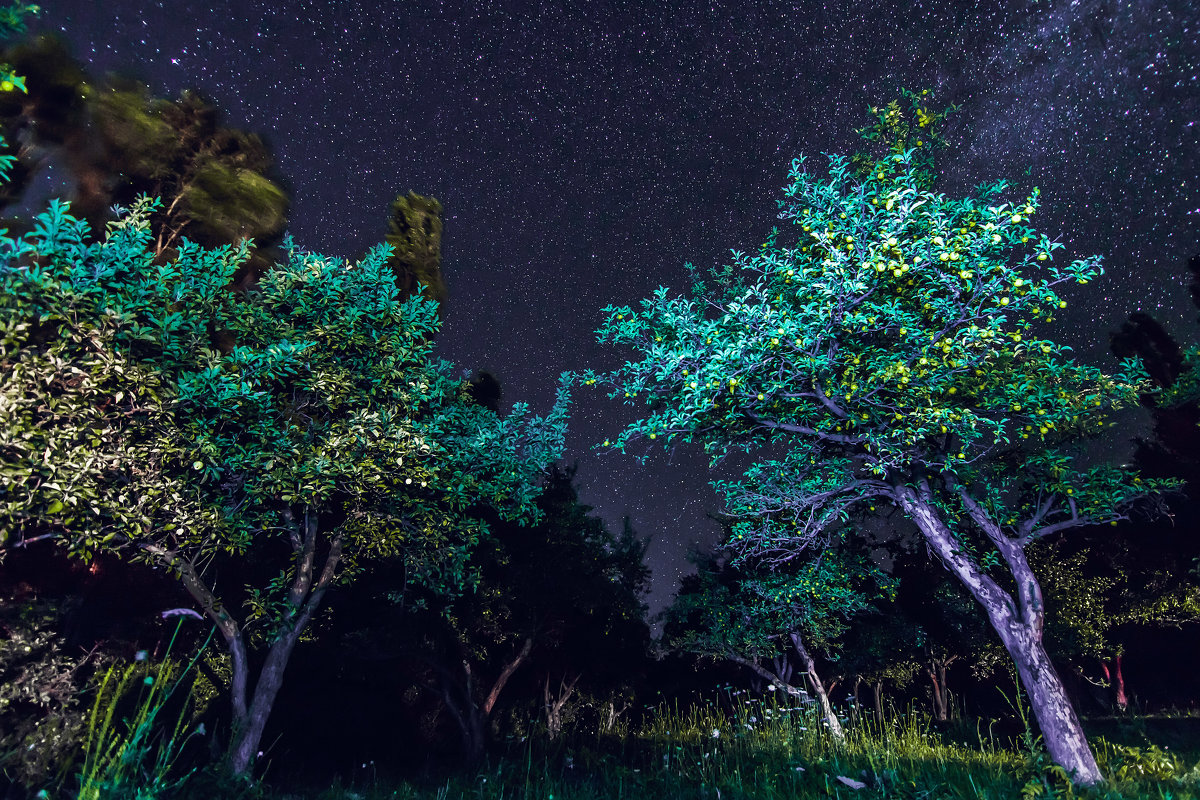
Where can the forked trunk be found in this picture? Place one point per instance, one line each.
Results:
(472, 723)
(810, 669)
(251, 711)
(554, 703)
(1018, 621)
(936, 670)
(612, 713)
(470, 714)
(248, 731)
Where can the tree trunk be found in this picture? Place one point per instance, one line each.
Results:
(472, 723)
(945, 691)
(248, 731)
(612, 713)
(936, 670)
(878, 692)
(304, 597)
(490, 701)
(782, 667)
(1122, 700)
(1017, 621)
(469, 713)
(1053, 710)
(854, 709)
(939, 701)
(554, 705)
(810, 669)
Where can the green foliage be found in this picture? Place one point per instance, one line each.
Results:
(918, 131)
(889, 334)
(117, 142)
(141, 436)
(132, 757)
(1130, 763)
(887, 347)
(729, 613)
(41, 720)
(1079, 617)
(12, 18)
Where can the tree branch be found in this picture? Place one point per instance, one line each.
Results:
(304, 566)
(803, 429)
(215, 610)
(506, 673)
(1029, 593)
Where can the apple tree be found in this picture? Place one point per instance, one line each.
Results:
(887, 347)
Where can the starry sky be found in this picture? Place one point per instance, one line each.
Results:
(584, 151)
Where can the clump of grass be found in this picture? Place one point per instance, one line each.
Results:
(134, 757)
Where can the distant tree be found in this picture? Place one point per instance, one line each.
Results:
(755, 618)
(1158, 587)
(882, 648)
(556, 609)
(327, 437)
(886, 352)
(1163, 583)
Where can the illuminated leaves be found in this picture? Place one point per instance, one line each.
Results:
(127, 424)
(884, 334)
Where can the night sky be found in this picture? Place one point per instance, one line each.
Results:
(583, 152)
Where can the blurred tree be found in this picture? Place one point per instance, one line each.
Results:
(218, 184)
(885, 353)
(415, 234)
(118, 143)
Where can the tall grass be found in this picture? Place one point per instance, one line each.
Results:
(775, 748)
(132, 758)
(730, 746)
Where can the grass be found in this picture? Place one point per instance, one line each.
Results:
(730, 747)
(736, 747)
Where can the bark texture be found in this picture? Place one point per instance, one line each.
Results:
(554, 703)
(252, 710)
(810, 669)
(1018, 621)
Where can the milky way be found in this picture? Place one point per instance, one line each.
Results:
(584, 152)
